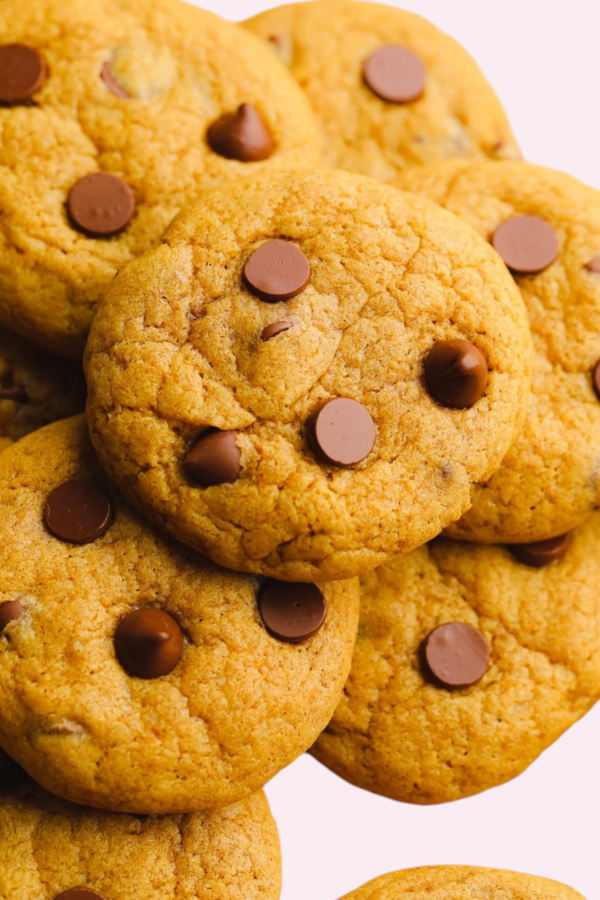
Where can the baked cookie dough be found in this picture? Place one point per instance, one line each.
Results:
(462, 883)
(111, 118)
(546, 225)
(51, 848)
(307, 375)
(390, 90)
(36, 388)
(468, 664)
(135, 675)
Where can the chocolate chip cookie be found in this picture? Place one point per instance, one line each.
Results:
(462, 883)
(470, 661)
(390, 90)
(36, 388)
(56, 850)
(546, 227)
(307, 375)
(110, 118)
(135, 675)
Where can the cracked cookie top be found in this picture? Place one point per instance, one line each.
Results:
(108, 123)
(308, 374)
(390, 90)
(546, 227)
(469, 662)
(135, 675)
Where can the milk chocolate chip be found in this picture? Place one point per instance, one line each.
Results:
(292, 612)
(22, 73)
(272, 330)
(101, 205)
(395, 74)
(80, 893)
(541, 553)
(214, 459)
(10, 612)
(456, 655)
(594, 265)
(109, 78)
(527, 244)
(456, 373)
(241, 135)
(596, 379)
(342, 432)
(277, 271)
(148, 643)
(78, 511)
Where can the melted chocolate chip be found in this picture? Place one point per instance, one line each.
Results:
(456, 373)
(10, 612)
(148, 643)
(527, 244)
(80, 893)
(277, 271)
(395, 74)
(456, 655)
(22, 73)
(241, 135)
(214, 459)
(101, 205)
(342, 432)
(292, 612)
(541, 553)
(275, 328)
(78, 511)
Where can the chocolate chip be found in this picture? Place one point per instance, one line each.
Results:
(541, 553)
(78, 511)
(395, 74)
(594, 265)
(596, 379)
(342, 432)
(108, 77)
(278, 270)
(527, 244)
(241, 135)
(148, 643)
(11, 774)
(14, 392)
(275, 328)
(456, 655)
(22, 73)
(101, 205)
(10, 612)
(80, 893)
(214, 459)
(292, 612)
(456, 373)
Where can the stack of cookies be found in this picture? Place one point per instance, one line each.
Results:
(325, 315)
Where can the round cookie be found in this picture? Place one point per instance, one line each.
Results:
(547, 222)
(390, 90)
(135, 675)
(55, 846)
(467, 666)
(36, 388)
(302, 438)
(109, 123)
(462, 883)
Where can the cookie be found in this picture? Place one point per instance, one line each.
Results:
(462, 883)
(60, 851)
(135, 675)
(546, 226)
(389, 89)
(36, 388)
(468, 664)
(110, 121)
(307, 375)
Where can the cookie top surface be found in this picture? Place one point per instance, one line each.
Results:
(36, 388)
(331, 453)
(135, 675)
(468, 664)
(390, 90)
(140, 107)
(549, 482)
(462, 883)
(226, 854)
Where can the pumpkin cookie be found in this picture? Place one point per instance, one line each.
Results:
(36, 388)
(546, 227)
(390, 90)
(462, 883)
(110, 118)
(468, 664)
(307, 375)
(135, 675)
(59, 851)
